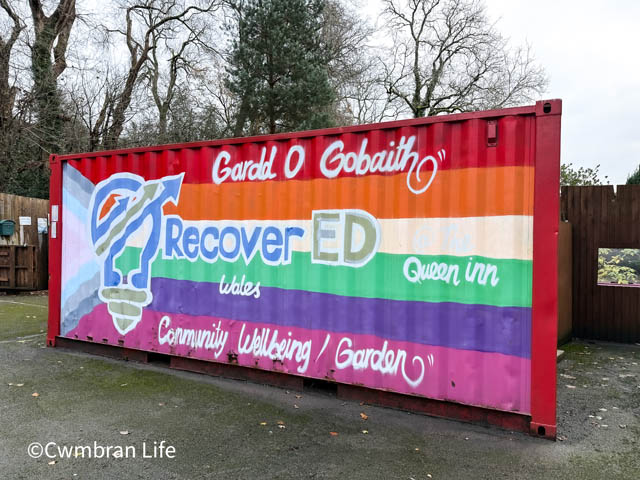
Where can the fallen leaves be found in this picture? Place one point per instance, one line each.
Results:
(366, 432)
(364, 416)
(333, 434)
(263, 424)
(35, 394)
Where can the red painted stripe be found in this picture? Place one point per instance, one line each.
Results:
(465, 144)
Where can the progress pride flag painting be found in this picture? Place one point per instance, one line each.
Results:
(398, 258)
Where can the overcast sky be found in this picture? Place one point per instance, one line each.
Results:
(591, 53)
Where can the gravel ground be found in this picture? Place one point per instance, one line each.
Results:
(225, 429)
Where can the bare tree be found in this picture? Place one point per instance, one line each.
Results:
(92, 96)
(143, 22)
(222, 108)
(154, 73)
(447, 57)
(353, 68)
(185, 45)
(345, 35)
(7, 90)
(51, 37)
(365, 99)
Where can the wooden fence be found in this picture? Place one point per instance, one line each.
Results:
(602, 218)
(23, 262)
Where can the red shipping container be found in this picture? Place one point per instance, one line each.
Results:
(417, 257)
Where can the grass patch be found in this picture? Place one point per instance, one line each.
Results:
(22, 315)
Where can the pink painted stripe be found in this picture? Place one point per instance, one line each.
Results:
(77, 250)
(477, 378)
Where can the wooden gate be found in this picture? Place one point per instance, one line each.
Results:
(602, 218)
(18, 267)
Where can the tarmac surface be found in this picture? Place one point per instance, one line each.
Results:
(227, 429)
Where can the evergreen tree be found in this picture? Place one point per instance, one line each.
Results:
(634, 178)
(278, 67)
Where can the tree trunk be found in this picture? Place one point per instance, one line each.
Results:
(117, 124)
(7, 92)
(163, 113)
(46, 71)
(45, 90)
(241, 118)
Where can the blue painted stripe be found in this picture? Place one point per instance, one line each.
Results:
(86, 273)
(77, 183)
(71, 203)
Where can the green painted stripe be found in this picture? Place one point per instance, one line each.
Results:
(382, 277)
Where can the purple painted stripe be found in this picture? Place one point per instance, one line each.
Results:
(483, 328)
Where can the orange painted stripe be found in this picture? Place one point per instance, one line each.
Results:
(470, 192)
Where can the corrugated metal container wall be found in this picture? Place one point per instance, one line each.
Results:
(396, 256)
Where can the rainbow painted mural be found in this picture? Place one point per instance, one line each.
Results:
(393, 258)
